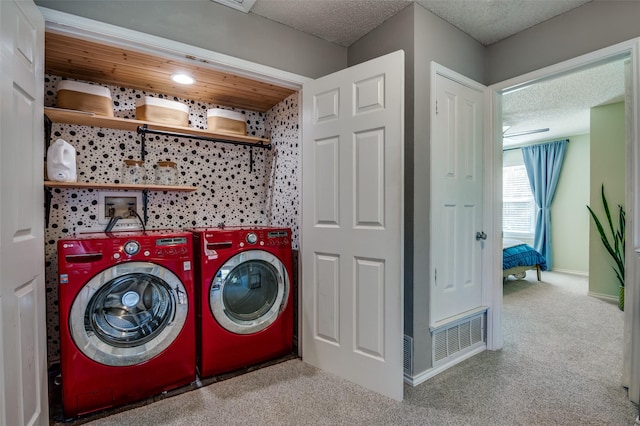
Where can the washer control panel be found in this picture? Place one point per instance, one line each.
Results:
(274, 238)
(167, 247)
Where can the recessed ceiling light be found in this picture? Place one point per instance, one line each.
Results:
(183, 79)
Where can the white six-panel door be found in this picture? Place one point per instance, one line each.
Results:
(352, 157)
(23, 372)
(456, 194)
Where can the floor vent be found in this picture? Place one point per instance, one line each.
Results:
(408, 355)
(457, 338)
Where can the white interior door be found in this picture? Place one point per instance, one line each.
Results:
(457, 196)
(352, 279)
(23, 372)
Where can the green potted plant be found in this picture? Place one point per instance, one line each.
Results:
(615, 246)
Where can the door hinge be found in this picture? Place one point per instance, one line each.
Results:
(436, 107)
(435, 276)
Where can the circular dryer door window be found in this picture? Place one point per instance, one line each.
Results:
(128, 313)
(249, 291)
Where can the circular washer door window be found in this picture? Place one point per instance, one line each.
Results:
(249, 291)
(128, 313)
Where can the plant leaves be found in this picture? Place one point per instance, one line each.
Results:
(615, 248)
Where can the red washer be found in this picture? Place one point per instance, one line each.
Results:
(245, 309)
(127, 317)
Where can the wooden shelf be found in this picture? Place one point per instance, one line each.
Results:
(82, 118)
(117, 186)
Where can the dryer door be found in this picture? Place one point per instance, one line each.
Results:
(249, 291)
(128, 313)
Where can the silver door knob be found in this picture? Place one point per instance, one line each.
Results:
(481, 236)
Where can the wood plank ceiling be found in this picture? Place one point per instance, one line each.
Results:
(90, 61)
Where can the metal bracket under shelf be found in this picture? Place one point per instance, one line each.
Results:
(144, 129)
(47, 205)
(145, 201)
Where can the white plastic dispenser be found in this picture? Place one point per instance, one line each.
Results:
(61, 162)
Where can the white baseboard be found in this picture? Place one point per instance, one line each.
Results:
(426, 375)
(569, 271)
(605, 297)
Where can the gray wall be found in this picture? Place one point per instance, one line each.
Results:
(593, 26)
(218, 28)
(395, 34)
(425, 38)
(438, 41)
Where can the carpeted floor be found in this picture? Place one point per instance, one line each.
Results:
(560, 365)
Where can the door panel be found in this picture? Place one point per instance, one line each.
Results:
(457, 190)
(326, 192)
(23, 369)
(369, 179)
(352, 224)
(369, 282)
(327, 298)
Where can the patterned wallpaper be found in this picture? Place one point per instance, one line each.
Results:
(227, 191)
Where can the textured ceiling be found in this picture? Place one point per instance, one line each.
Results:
(344, 21)
(562, 104)
(339, 21)
(490, 21)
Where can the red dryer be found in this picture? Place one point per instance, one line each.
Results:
(127, 317)
(245, 308)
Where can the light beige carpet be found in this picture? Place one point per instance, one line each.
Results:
(560, 365)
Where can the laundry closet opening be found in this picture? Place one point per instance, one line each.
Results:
(222, 187)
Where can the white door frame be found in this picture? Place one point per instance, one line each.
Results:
(493, 174)
(89, 29)
(486, 256)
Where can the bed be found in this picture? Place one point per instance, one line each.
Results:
(518, 258)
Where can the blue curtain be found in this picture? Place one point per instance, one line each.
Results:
(543, 163)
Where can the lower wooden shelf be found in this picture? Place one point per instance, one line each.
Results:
(118, 186)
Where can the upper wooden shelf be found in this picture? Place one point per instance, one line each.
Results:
(111, 65)
(82, 118)
(118, 186)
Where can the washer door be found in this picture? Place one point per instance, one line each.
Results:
(249, 291)
(128, 313)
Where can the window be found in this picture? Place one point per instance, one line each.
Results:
(518, 205)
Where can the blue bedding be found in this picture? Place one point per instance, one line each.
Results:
(522, 255)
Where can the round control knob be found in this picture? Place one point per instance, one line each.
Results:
(252, 238)
(131, 247)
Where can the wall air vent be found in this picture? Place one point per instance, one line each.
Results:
(458, 338)
(241, 5)
(408, 355)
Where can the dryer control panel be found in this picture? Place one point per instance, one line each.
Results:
(213, 242)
